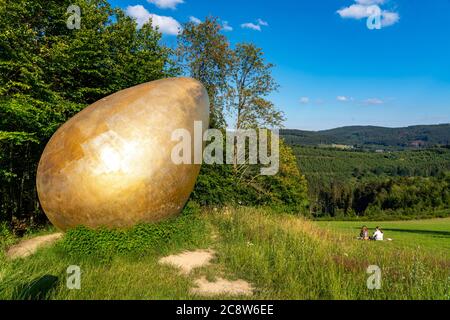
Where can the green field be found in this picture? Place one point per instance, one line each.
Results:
(432, 234)
(281, 256)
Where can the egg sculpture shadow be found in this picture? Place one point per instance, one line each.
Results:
(110, 165)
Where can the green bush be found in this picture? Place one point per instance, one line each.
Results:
(186, 229)
(221, 185)
(191, 208)
(6, 235)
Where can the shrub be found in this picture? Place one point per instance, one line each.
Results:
(221, 185)
(6, 235)
(186, 229)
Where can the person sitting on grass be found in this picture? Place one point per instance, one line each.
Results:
(378, 234)
(364, 234)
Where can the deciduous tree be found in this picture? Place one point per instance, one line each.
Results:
(204, 54)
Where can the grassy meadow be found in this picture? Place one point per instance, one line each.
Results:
(430, 234)
(282, 256)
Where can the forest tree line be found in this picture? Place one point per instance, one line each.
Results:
(343, 183)
(373, 138)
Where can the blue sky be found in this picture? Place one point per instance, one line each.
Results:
(332, 69)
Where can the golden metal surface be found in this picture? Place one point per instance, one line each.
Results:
(110, 165)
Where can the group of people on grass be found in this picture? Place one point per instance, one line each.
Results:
(377, 235)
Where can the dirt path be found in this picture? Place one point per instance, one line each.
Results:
(189, 260)
(222, 287)
(28, 247)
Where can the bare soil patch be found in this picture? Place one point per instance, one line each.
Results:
(189, 260)
(28, 247)
(222, 287)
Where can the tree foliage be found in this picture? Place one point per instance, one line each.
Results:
(239, 79)
(218, 185)
(204, 54)
(251, 81)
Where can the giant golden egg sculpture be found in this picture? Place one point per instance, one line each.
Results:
(110, 165)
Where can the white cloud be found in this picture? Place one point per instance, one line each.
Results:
(374, 101)
(371, 101)
(226, 26)
(166, 4)
(363, 9)
(166, 25)
(262, 23)
(195, 20)
(389, 18)
(304, 100)
(259, 23)
(344, 98)
(355, 11)
(252, 26)
(139, 13)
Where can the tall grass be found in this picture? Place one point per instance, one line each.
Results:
(282, 256)
(291, 258)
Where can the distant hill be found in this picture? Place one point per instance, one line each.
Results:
(372, 137)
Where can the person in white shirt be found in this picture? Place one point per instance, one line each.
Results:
(378, 234)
